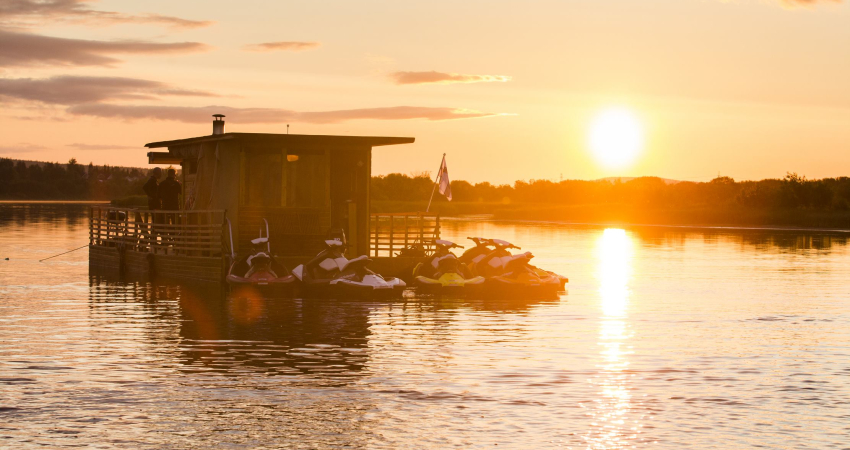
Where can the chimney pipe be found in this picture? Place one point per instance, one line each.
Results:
(218, 124)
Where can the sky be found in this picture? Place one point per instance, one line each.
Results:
(509, 90)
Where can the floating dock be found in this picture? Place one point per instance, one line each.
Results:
(302, 185)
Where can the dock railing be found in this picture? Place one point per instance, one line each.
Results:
(393, 232)
(189, 233)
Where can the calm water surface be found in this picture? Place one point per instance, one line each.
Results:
(666, 338)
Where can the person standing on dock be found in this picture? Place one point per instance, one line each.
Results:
(169, 195)
(151, 189)
(169, 191)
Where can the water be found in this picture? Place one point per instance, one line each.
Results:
(667, 338)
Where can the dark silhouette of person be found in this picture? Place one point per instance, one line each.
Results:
(151, 189)
(169, 191)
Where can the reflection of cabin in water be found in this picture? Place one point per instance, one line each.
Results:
(304, 185)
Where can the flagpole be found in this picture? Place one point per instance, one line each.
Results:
(436, 182)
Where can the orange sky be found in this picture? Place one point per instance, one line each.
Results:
(747, 88)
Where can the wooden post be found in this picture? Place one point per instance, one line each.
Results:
(148, 232)
(91, 225)
(99, 221)
(352, 228)
(377, 240)
(125, 239)
(392, 232)
(406, 233)
(373, 232)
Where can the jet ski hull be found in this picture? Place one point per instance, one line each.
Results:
(274, 277)
(525, 285)
(561, 280)
(281, 286)
(345, 288)
(450, 284)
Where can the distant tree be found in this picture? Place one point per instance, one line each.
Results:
(21, 171)
(723, 180)
(463, 191)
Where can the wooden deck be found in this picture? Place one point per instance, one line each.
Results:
(196, 244)
(185, 233)
(178, 244)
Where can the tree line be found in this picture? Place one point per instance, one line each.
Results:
(72, 181)
(792, 191)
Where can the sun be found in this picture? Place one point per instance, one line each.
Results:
(616, 137)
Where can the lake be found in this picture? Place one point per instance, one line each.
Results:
(666, 338)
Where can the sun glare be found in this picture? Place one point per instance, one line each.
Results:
(616, 137)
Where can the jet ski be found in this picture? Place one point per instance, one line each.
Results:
(330, 273)
(259, 268)
(484, 247)
(512, 274)
(443, 273)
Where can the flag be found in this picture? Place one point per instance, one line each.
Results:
(445, 184)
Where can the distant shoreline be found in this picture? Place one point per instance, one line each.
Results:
(490, 218)
(584, 215)
(55, 202)
(622, 215)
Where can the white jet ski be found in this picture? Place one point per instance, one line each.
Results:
(331, 273)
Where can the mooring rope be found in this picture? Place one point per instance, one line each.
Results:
(69, 251)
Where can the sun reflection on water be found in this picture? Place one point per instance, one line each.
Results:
(613, 427)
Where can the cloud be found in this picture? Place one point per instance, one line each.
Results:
(78, 11)
(292, 46)
(102, 147)
(270, 115)
(433, 77)
(69, 90)
(25, 49)
(21, 148)
(798, 3)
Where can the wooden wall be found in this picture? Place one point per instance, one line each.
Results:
(168, 266)
(294, 231)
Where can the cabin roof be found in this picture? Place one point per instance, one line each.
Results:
(290, 139)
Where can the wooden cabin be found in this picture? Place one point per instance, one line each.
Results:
(304, 185)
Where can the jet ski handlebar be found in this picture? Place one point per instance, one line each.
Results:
(493, 242)
(480, 240)
(446, 244)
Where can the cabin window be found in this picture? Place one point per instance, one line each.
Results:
(271, 179)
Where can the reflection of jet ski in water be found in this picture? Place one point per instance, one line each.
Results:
(513, 274)
(442, 272)
(259, 268)
(484, 247)
(331, 273)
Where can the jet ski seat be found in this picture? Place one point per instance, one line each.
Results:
(436, 261)
(258, 255)
(350, 261)
(340, 264)
(253, 269)
(497, 263)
